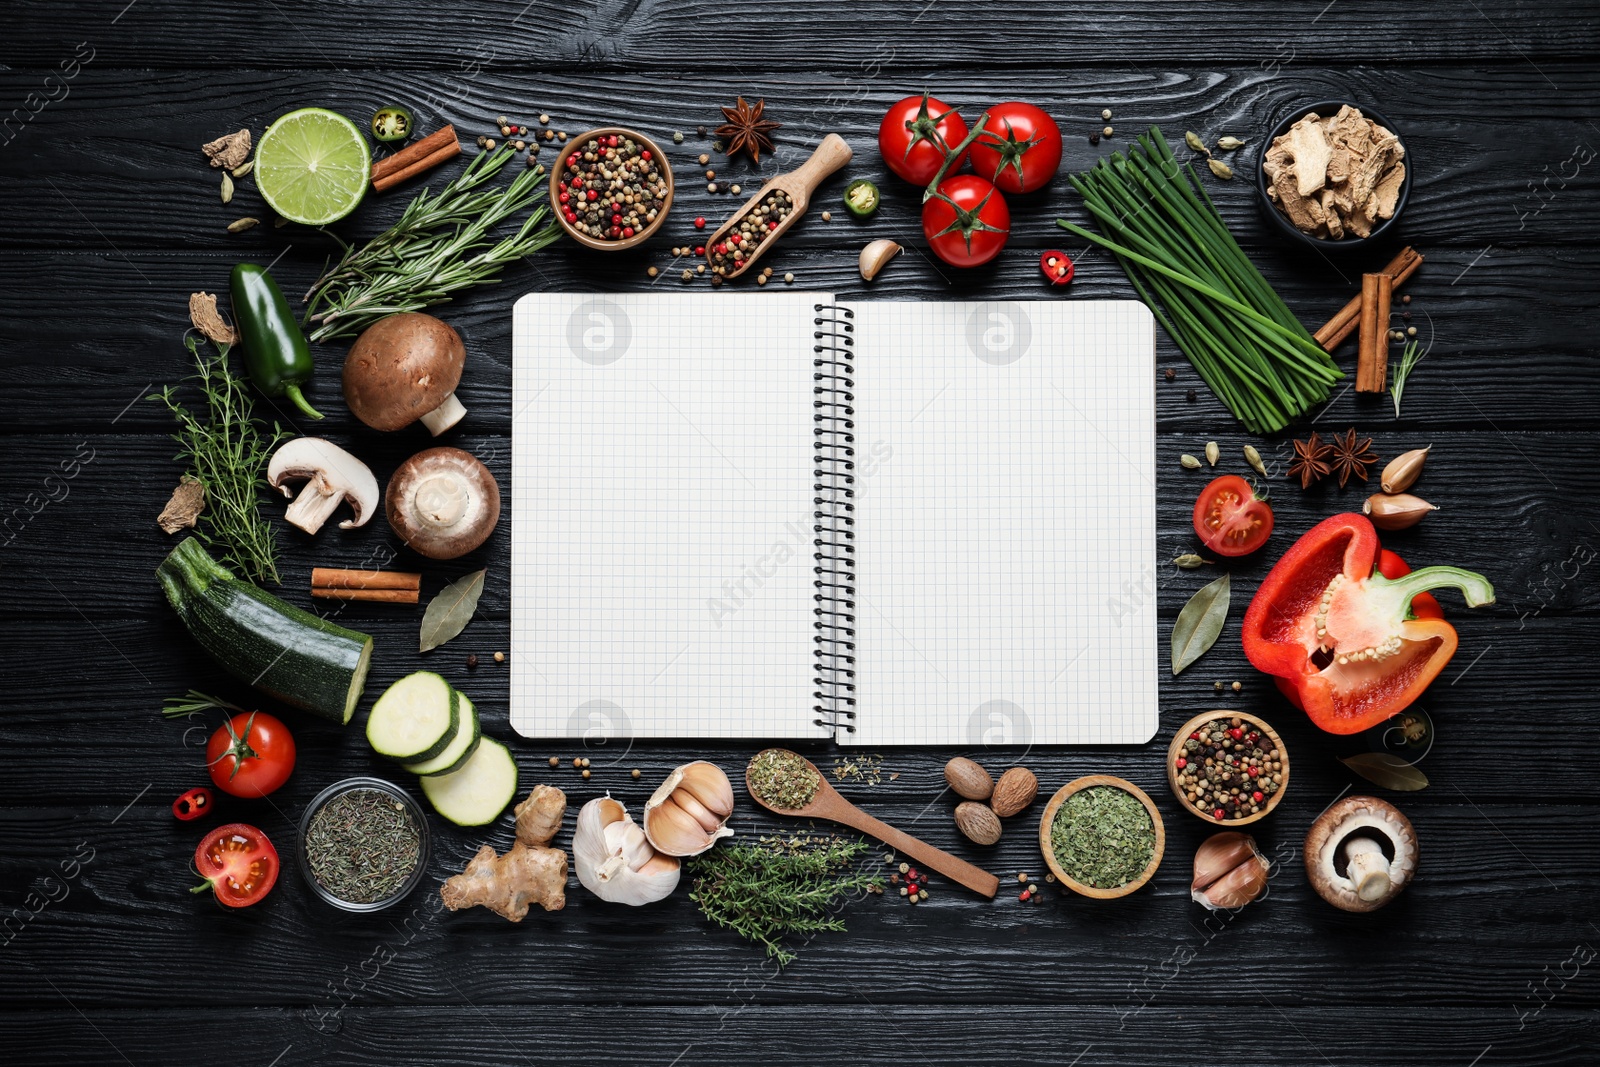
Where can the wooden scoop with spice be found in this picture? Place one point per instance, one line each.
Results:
(789, 784)
(768, 215)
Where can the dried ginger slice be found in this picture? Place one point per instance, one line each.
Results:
(229, 150)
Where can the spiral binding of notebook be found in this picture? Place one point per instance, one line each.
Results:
(833, 529)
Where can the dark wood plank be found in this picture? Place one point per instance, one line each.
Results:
(628, 34)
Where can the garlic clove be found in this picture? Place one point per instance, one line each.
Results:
(1396, 511)
(875, 255)
(675, 832)
(708, 820)
(613, 858)
(709, 785)
(1229, 871)
(1402, 472)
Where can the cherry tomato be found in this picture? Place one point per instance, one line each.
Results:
(1229, 518)
(238, 863)
(1019, 148)
(917, 134)
(966, 221)
(250, 755)
(1423, 605)
(192, 805)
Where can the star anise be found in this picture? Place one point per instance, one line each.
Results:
(1309, 462)
(746, 130)
(1351, 456)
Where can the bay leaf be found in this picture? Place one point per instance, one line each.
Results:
(1388, 771)
(450, 611)
(1200, 623)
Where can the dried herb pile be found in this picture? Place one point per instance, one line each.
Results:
(1103, 837)
(227, 452)
(362, 846)
(1243, 340)
(781, 887)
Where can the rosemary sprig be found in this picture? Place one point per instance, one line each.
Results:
(227, 452)
(437, 248)
(1410, 356)
(780, 887)
(194, 701)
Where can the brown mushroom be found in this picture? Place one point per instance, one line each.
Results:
(405, 368)
(443, 503)
(1360, 853)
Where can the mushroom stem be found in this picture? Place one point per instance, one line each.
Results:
(440, 500)
(1368, 868)
(316, 502)
(446, 415)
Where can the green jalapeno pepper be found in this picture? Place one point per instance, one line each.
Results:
(276, 352)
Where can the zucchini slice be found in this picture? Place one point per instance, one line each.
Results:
(460, 748)
(477, 793)
(415, 719)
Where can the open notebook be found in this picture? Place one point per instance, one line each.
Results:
(766, 515)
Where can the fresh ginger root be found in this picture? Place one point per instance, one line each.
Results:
(530, 873)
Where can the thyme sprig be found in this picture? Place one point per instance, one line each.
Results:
(227, 451)
(439, 247)
(780, 887)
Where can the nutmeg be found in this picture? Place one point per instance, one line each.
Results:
(978, 822)
(1015, 791)
(968, 779)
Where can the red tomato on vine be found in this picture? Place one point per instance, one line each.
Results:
(966, 221)
(1019, 148)
(916, 136)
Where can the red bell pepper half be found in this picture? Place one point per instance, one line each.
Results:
(1342, 639)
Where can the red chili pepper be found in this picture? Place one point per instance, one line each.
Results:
(192, 805)
(1341, 637)
(1057, 267)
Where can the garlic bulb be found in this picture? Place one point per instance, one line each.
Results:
(690, 811)
(613, 859)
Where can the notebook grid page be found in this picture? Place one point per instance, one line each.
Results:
(662, 496)
(1005, 521)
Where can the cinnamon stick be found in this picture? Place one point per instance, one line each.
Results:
(1372, 352)
(376, 596)
(415, 158)
(1343, 324)
(389, 587)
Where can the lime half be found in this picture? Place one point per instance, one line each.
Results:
(313, 166)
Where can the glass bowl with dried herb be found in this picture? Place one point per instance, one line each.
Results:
(1228, 767)
(1102, 836)
(363, 844)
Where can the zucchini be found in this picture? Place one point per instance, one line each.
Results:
(415, 719)
(477, 793)
(289, 654)
(460, 748)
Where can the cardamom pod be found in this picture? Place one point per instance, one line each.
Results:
(1189, 561)
(1212, 453)
(1396, 511)
(1189, 462)
(1193, 140)
(1228, 144)
(279, 223)
(1220, 169)
(244, 168)
(227, 187)
(1252, 457)
(241, 225)
(1403, 470)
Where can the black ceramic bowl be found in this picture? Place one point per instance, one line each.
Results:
(1280, 222)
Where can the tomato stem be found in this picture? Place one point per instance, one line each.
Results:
(951, 156)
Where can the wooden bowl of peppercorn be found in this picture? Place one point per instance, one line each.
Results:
(572, 217)
(1245, 737)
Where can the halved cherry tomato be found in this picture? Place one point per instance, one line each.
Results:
(193, 804)
(1229, 518)
(238, 863)
(966, 221)
(250, 755)
(1423, 605)
(916, 136)
(1019, 149)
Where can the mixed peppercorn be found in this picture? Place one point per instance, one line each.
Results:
(1228, 769)
(612, 188)
(740, 243)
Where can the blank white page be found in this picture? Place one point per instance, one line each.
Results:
(662, 507)
(1005, 523)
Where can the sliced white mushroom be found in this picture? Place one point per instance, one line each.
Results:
(332, 475)
(1360, 853)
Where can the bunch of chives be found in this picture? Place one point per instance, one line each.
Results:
(1237, 332)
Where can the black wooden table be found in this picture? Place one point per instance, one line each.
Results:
(111, 219)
